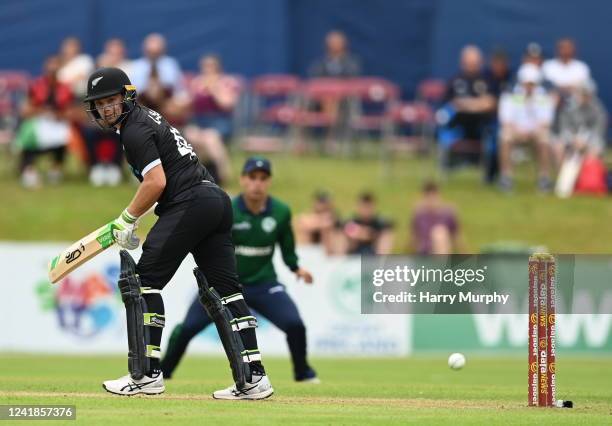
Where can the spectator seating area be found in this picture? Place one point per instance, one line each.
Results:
(333, 111)
(285, 111)
(13, 90)
(279, 112)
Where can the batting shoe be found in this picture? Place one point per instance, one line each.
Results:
(127, 386)
(259, 388)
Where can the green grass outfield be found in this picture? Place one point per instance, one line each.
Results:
(386, 391)
(578, 225)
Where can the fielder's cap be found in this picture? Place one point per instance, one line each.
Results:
(529, 73)
(253, 164)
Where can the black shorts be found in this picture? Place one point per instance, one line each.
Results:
(201, 226)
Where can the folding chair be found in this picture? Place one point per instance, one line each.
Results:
(371, 101)
(13, 89)
(272, 108)
(321, 108)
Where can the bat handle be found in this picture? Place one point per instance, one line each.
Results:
(151, 209)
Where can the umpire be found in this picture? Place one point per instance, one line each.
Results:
(260, 222)
(195, 216)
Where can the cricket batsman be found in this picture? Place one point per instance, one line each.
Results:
(195, 216)
(260, 222)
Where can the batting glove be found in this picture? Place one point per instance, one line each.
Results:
(124, 230)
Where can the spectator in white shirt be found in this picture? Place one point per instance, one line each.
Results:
(76, 66)
(526, 116)
(565, 72)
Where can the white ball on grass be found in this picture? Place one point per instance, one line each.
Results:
(456, 361)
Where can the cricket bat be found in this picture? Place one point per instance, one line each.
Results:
(83, 250)
(568, 175)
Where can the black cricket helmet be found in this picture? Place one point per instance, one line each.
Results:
(105, 82)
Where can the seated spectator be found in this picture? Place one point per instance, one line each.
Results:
(564, 74)
(469, 103)
(526, 116)
(582, 124)
(159, 80)
(114, 55)
(434, 226)
(500, 78)
(214, 96)
(470, 94)
(44, 128)
(367, 232)
(499, 74)
(75, 66)
(338, 62)
(320, 225)
(156, 72)
(532, 56)
(565, 71)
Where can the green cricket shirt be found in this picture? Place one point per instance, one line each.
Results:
(255, 237)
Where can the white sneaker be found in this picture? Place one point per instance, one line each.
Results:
(96, 175)
(127, 386)
(30, 179)
(113, 175)
(259, 388)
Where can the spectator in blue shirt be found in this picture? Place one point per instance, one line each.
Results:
(159, 80)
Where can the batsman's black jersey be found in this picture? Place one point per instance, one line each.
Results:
(148, 140)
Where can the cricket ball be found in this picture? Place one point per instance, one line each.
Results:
(456, 361)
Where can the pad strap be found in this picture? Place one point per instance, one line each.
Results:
(153, 351)
(251, 355)
(232, 298)
(154, 320)
(243, 323)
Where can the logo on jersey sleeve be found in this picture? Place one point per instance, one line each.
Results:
(268, 224)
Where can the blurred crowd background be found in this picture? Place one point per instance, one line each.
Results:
(476, 84)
